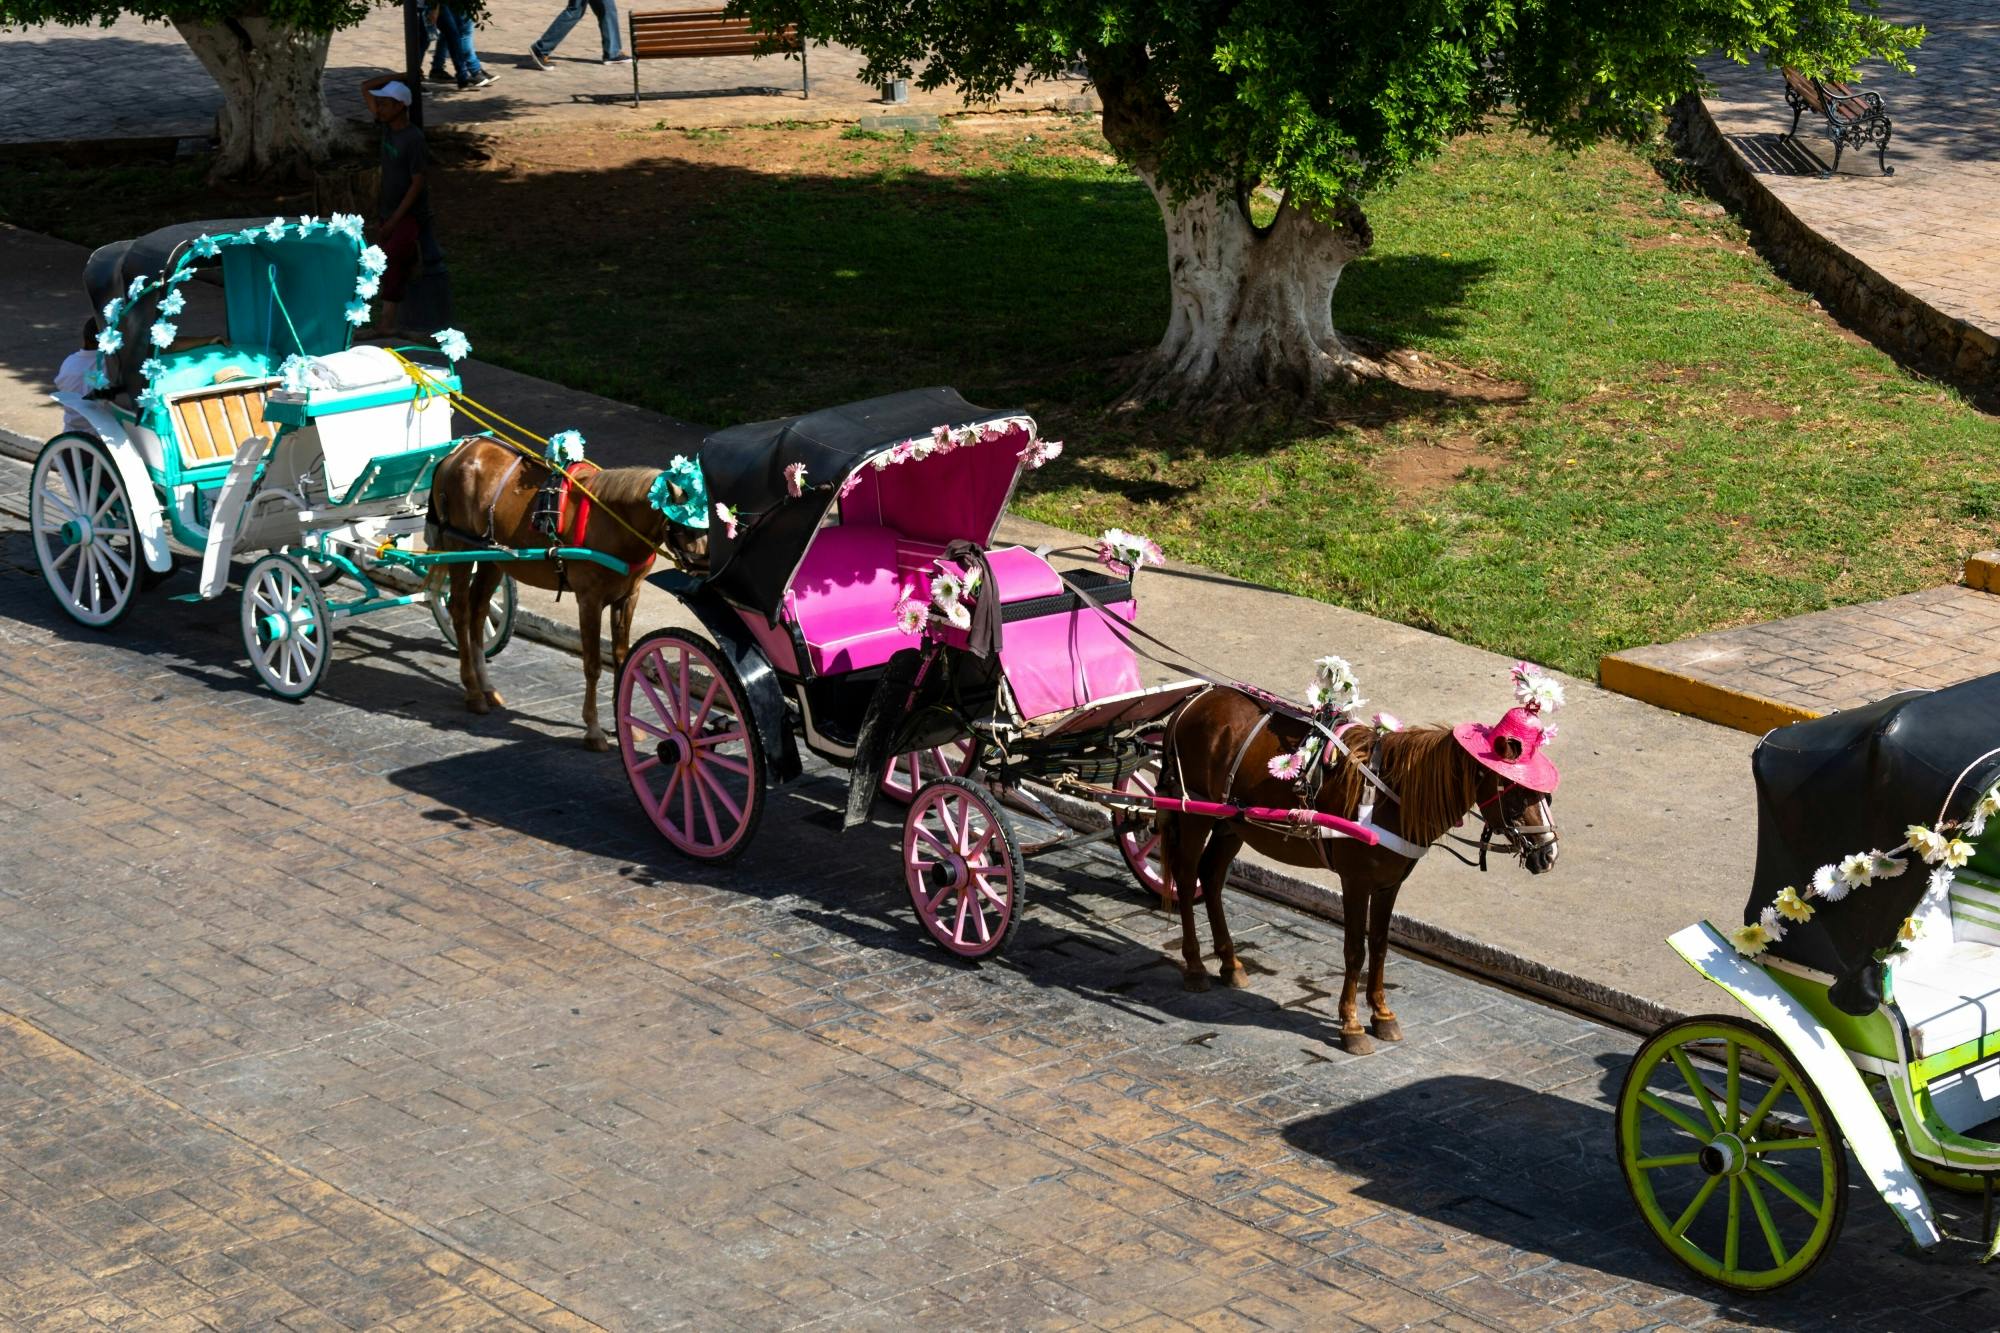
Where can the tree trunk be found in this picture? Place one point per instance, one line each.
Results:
(274, 119)
(1252, 307)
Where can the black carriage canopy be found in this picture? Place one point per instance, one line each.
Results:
(744, 467)
(308, 272)
(1854, 781)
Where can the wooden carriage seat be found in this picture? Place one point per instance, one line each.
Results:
(210, 422)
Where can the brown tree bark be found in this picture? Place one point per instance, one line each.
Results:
(274, 120)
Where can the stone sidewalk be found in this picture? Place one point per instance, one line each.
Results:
(362, 1010)
(1756, 677)
(58, 89)
(1656, 809)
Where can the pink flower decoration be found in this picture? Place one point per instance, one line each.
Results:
(728, 517)
(1388, 722)
(1288, 766)
(795, 480)
(847, 487)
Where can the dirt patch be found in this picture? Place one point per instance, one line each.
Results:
(1420, 469)
(1748, 406)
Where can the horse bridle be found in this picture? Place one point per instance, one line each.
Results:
(1515, 835)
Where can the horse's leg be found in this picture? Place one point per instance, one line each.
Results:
(1181, 840)
(486, 578)
(1223, 845)
(1381, 906)
(461, 629)
(622, 612)
(1354, 938)
(590, 625)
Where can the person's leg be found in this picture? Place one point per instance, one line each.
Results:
(448, 44)
(433, 38)
(471, 68)
(607, 28)
(547, 43)
(400, 245)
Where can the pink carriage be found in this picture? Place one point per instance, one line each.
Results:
(840, 553)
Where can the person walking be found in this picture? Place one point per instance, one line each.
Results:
(403, 210)
(73, 376)
(454, 32)
(607, 27)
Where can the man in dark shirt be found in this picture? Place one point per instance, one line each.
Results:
(403, 210)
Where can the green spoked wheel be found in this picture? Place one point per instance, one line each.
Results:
(1743, 1180)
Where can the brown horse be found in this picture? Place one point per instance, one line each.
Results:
(1215, 751)
(483, 494)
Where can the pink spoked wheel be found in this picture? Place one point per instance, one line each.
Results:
(1139, 839)
(963, 866)
(689, 744)
(907, 773)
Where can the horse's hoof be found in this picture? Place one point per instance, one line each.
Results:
(1356, 1042)
(1388, 1029)
(1194, 980)
(493, 698)
(1235, 977)
(476, 703)
(596, 742)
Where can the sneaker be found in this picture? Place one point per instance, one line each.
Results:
(480, 80)
(438, 76)
(618, 60)
(535, 60)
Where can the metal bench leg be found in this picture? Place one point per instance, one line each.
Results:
(1839, 142)
(1882, 150)
(805, 74)
(1797, 111)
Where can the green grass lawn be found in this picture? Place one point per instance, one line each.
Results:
(1638, 431)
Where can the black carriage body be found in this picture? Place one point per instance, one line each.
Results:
(1854, 781)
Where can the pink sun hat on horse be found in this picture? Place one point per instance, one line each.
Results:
(1513, 747)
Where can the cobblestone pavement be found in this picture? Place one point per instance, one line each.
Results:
(1845, 657)
(361, 1008)
(58, 84)
(1933, 228)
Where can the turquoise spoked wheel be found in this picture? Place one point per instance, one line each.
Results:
(85, 540)
(963, 867)
(286, 629)
(1744, 1181)
(907, 773)
(500, 610)
(690, 745)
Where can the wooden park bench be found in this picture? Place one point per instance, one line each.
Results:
(1851, 117)
(686, 34)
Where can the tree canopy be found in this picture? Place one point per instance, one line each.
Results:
(309, 15)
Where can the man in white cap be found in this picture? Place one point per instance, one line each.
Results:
(403, 209)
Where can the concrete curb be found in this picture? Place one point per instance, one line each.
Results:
(1982, 571)
(1679, 692)
(1423, 939)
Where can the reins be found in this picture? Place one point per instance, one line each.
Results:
(497, 428)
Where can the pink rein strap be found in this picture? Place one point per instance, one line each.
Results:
(1345, 828)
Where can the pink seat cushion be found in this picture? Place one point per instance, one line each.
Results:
(1057, 662)
(1021, 575)
(844, 597)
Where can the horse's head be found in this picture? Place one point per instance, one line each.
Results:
(679, 501)
(1515, 788)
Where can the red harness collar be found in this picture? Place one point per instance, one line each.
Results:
(573, 510)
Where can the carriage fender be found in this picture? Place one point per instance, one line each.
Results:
(1861, 1121)
(149, 520)
(760, 679)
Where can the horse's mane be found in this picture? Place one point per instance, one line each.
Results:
(1435, 781)
(623, 485)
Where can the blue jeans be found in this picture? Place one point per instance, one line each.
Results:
(455, 40)
(607, 27)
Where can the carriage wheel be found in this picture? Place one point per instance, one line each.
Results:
(499, 614)
(285, 627)
(85, 541)
(1744, 1183)
(963, 867)
(690, 744)
(907, 773)
(1139, 839)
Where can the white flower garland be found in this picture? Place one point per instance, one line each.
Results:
(944, 439)
(163, 331)
(1939, 847)
(565, 448)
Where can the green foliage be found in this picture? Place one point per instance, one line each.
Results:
(1326, 101)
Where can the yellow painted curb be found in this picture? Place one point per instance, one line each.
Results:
(1982, 571)
(1696, 697)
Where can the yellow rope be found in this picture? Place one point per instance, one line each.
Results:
(429, 385)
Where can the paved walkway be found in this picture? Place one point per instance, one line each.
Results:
(58, 87)
(362, 1010)
(1932, 229)
(1643, 855)
(1761, 676)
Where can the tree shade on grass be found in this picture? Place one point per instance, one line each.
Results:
(1209, 103)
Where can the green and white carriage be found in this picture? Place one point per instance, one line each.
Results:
(242, 421)
(1874, 979)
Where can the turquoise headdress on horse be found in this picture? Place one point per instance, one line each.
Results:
(692, 511)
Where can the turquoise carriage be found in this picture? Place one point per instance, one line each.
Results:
(1870, 959)
(242, 421)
